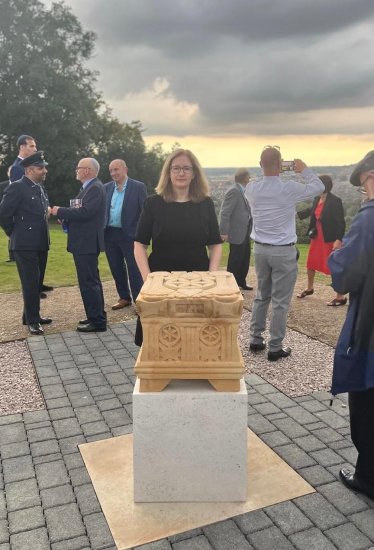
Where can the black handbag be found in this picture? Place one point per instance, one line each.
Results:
(313, 233)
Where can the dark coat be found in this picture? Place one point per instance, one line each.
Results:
(332, 218)
(135, 195)
(352, 270)
(86, 224)
(24, 203)
(6, 223)
(16, 171)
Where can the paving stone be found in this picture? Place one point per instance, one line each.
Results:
(342, 498)
(322, 395)
(123, 388)
(98, 437)
(301, 416)
(90, 369)
(87, 499)
(51, 474)
(344, 431)
(41, 434)
(12, 433)
(64, 412)
(316, 475)
(4, 532)
(102, 391)
(36, 425)
(290, 428)
(79, 543)
(79, 349)
(294, 456)
(37, 539)
(64, 522)
(158, 545)
(57, 496)
(73, 461)
(17, 469)
(117, 378)
(334, 470)
(192, 533)
(126, 398)
(88, 414)
(116, 418)
(326, 457)
(280, 400)
(349, 454)
(269, 539)
(3, 509)
(309, 443)
(83, 359)
(57, 403)
(51, 392)
(26, 520)
(316, 426)
(94, 428)
(266, 408)
(197, 543)
(226, 535)
(341, 444)
(81, 399)
(332, 419)
(93, 380)
(12, 450)
(288, 518)
(79, 476)
(312, 539)
(44, 448)
(22, 494)
(327, 435)
(348, 537)
(49, 381)
(67, 427)
(259, 425)
(4, 546)
(75, 387)
(364, 521)
(252, 521)
(98, 530)
(313, 406)
(106, 360)
(320, 511)
(255, 398)
(276, 416)
(109, 404)
(47, 458)
(35, 416)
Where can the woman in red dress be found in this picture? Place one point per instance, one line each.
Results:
(326, 229)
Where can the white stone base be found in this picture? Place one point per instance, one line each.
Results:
(190, 443)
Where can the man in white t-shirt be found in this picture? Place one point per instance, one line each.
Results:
(274, 234)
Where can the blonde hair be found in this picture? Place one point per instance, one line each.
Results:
(199, 188)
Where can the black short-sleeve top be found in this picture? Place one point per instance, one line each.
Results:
(180, 233)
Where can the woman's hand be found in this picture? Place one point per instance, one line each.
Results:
(215, 253)
(337, 244)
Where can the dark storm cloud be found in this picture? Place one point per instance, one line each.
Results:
(241, 62)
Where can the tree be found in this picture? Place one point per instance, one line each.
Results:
(47, 91)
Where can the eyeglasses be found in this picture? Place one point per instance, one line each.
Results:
(361, 189)
(272, 147)
(185, 169)
(82, 167)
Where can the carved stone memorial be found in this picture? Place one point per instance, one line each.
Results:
(190, 326)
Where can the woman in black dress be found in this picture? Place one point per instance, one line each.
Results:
(180, 220)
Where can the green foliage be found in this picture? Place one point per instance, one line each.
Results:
(47, 91)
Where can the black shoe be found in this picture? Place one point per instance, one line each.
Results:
(45, 320)
(275, 355)
(9, 261)
(257, 347)
(35, 328)
(90, 328)
(349, 480)
(43, 295)
(246, 287)
(47, 288)
(83, 322)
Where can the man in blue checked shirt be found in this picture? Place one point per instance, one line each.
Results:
(125, 198)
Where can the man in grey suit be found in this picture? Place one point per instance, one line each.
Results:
(235, 227)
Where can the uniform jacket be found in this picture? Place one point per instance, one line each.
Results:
(352, 270)
(24, 203)
(16, 171)
(135, 195)
(332, 218)
(86, 224)
(235, 215)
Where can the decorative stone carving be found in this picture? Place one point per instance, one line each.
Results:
(190, 325)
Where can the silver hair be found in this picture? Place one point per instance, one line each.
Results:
(241, 174)
(95, 165)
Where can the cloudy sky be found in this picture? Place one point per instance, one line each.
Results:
(226, 77)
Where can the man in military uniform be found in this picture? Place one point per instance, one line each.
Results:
(25, 201)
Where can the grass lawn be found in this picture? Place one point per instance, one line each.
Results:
(61, 268)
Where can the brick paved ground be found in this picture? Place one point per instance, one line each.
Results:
(47, 500)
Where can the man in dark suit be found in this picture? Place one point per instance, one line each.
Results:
(125, 198)
(85, 220)
(25, 201)
(235, 227)
(3, 186)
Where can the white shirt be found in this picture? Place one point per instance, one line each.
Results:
(273, 205)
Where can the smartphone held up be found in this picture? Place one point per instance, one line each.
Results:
(288, 166)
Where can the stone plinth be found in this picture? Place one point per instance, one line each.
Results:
(190, 326)
(190, 444)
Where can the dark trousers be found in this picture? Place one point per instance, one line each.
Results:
(11, 255)
(120, 253)
(361, 408)
(31, 266)
(87, 266)
(238, 262)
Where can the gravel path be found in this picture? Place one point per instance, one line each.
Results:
(308, 369)
(19, 388)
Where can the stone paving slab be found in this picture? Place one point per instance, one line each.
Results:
(47, 501)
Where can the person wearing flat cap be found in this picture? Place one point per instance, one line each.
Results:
(352, 270)
(26, 203)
